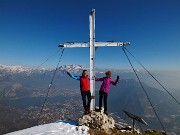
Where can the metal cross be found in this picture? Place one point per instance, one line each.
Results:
(92, 45)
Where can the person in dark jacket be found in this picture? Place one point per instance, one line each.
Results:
(85, 89)
(104, 89)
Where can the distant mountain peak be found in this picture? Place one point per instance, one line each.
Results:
(73, 67)
(76, 68)
(19, 69)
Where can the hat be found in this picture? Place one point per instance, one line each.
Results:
(108, 73)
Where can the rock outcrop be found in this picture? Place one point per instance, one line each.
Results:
(97, 120)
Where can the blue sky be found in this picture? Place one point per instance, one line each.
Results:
(30, 31)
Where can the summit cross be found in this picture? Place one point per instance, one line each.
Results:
(92, 44)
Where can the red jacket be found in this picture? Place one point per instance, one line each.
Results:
(84, 83)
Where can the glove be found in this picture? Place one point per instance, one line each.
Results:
(117, 77)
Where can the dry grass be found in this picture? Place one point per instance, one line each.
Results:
(117, 132)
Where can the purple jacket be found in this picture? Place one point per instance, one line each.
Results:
(107, 81)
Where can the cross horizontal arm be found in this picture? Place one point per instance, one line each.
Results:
(111, 43)
(97, 44)
(73, 45)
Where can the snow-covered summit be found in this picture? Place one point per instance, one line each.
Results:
(29, 70)
(18, 69)
(15, 68)
(62, 127)
(73, 68)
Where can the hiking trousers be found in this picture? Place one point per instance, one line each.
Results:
(84, 94)
(103, 95)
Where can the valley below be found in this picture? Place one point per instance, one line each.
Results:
(22, 96)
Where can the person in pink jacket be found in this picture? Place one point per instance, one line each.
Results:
(104, 89)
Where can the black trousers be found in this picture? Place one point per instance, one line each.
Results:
(103, 95)
(85, 94)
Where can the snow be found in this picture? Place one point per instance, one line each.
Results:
(72, 67)
(29, 70)
(61, 127)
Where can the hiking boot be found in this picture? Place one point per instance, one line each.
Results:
(105, 112)
(88, 110)
(85, 112)
(98, 110)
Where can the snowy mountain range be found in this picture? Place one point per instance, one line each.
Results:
(18, 69)
(74, 68)
(28, 70)
(169, 78)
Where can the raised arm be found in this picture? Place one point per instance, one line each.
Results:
(72, 76)
(99, 79)
(116, 82)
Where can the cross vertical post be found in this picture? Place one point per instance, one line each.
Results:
(92, 57)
